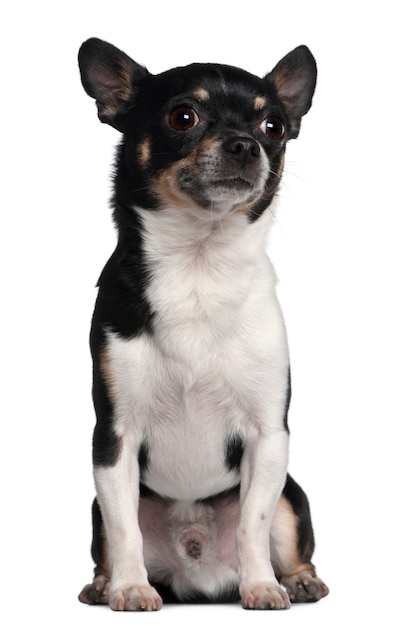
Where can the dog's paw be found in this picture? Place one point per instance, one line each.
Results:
(97, 592)
(264, 596)
(135, 598)
(304, 587)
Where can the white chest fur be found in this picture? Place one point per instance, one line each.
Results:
(218, 348)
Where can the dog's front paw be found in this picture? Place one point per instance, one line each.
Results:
(264, 596)
(135, 598)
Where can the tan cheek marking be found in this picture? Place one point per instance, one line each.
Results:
(201, 94)
(166, 185)
(259, 103)
(281, 165)
(166, 189)
(144, 152)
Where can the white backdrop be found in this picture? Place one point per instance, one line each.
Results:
(339, 247)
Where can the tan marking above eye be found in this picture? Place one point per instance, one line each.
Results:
(259, 103)
(201, 94)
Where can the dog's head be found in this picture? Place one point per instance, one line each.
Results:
(206, 137)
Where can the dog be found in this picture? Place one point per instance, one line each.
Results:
(191, 377)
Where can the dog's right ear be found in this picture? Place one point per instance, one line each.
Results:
(111, 77)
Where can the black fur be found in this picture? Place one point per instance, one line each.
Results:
(98, 547)
(143, 458)
(234, 448)
(122, 307)
(299, 502)
(288, 399)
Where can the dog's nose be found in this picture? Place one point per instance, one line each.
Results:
(242, 149)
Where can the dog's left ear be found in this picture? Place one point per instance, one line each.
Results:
(111, 77)
(294, 79)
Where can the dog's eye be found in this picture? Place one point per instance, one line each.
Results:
(182, 118)
(273, 127)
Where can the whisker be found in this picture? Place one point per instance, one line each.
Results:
(271, 171)
(221, 225)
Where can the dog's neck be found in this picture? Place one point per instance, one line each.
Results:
(202, 274)
(175, 232)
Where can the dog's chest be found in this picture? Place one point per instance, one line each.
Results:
(190, 387)
(183, 416)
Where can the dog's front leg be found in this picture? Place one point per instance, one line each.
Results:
(263, 474)
(117, 489)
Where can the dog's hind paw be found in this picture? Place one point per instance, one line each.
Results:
(264, 596)
(97, 592)
(304, 587)
(135, 598)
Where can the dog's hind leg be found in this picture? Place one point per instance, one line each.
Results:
(292, 546)
(97, 592)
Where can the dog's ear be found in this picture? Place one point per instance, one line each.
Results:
(111, 77)
(294, 79)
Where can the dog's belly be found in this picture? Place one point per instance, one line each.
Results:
(184, 419)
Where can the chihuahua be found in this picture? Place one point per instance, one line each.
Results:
(191, 378)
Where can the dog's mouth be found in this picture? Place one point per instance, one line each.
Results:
(213, 182)
(233, 184)
(228, 191)
(221, 191)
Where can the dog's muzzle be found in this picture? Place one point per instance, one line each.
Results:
(228, 173)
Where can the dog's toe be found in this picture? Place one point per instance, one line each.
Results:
(135, 598)
(97, 592)
(264, 596)
(304, 587)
